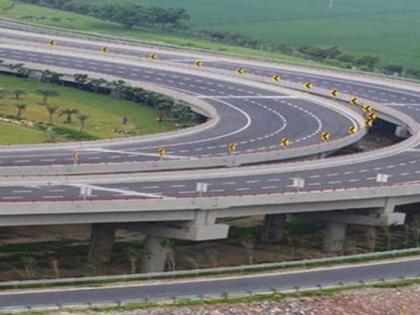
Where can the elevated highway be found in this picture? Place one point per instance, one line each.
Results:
(248, 109)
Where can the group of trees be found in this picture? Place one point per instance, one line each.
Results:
(168, 107)
(68, 113)
(126, 14)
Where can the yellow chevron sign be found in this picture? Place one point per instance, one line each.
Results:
(352, 130)
(232, 147)
(52, 42)
(325, 136)
(368, 123)
(105, 49)
(198, 63)
(308, 85)
(285, 142)
(354, 101)
(335, 93)
(153, 56)
(276, 78)
(240, 71)
(372, 116)
(368, 109)
(161, 152)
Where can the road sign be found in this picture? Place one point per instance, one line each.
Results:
(298, 183)
(75, 157)
(202, 188)
(161, 152)
(372, 116)
(382, 178)
(354, 101)
(368, 123)
(335, 93)
(198, 63)
(368, 109)
(153, 56)
(352, 130)
(240, 71)
(308, 85)
(52, 42)
(325, 136)
(232, 147)
(285, 142)
(105, 49)
(276, 78)
(85, 191)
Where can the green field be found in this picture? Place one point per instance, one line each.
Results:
(105, 113)
(387, 28)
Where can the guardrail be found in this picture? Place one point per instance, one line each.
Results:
(210, 271)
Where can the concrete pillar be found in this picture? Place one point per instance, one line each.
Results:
(155, 256)
(102, 241)
(334, 236)
(402, 132)
(273, 228)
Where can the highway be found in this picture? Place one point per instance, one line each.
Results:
(213, 287)
(250, 110)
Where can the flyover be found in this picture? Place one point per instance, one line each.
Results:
(340, 190)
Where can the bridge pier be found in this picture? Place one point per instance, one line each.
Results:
(156, 253)
(273, 228)
(402, 132)
(334, 236)
(102, 241)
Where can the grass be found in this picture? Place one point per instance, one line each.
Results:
(56, 18)
(106, 113)
(387, 28)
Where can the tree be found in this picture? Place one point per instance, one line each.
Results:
(29, 264)
(20, 109)
(18, 93)
(47, 94)
(3, 93)
(82, 120)
(248, 243)
(52, 109)
(393, 69)
(133, 253)
(68, 112)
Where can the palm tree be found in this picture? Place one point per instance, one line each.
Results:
(52, 109)
(18, 93)
(82, 119)
(20, 109)
(46, 94)
(68, 112)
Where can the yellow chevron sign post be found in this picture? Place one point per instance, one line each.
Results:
(325, 136)
(368, 109)
(276, 78)
(285, 142)
(335, 93)
(352, 130)
(161, 152)
(105, 49)
(368, 123)
(372, 116)
(308, 85)
(354, 101)
(198, 63)
(153, 56)
(52, 42)
(232, 147)
(240, 71)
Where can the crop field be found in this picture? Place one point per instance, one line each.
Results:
(387, 28)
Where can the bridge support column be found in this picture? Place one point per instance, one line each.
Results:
(156, 253)
(273, 228)
(102, 241)
(402, 132)
(334, 236)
